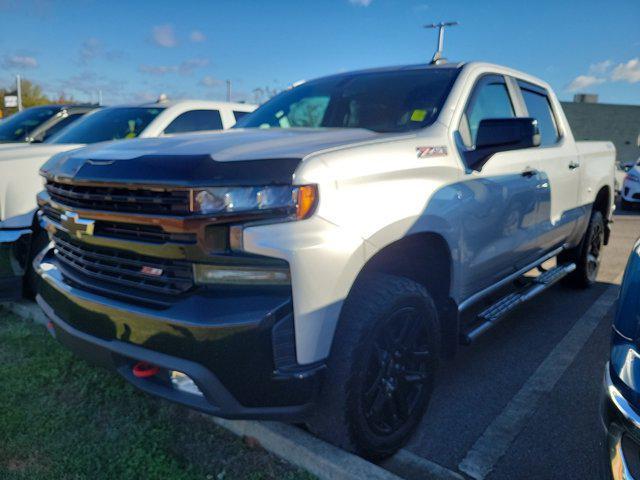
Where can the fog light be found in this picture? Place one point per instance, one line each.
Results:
(183, 382)
(218, 274)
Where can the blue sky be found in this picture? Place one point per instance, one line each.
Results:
(134, 50)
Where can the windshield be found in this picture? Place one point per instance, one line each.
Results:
(393, 101)
(18, 126)
(113, 123)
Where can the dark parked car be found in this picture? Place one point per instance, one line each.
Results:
(36, 124)
(621, 405)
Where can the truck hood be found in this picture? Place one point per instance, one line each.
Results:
(251, 156)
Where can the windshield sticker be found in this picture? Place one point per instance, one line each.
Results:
(418, 115)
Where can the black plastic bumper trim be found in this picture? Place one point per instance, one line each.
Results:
(120, 357)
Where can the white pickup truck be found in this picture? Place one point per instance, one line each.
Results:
(19, 163)
(315, 263)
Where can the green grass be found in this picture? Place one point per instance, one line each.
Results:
(61, 418)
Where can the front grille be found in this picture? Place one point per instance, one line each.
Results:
(123, 270)
(51, 213)
(143, 233)
(129, 231)
(120, 199)
(636, 196)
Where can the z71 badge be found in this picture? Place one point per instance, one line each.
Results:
(424, 152)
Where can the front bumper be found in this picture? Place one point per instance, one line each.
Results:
(622, 426)
(229, 343)
(14, 254)
(631, 191)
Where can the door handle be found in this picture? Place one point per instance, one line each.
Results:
(573, 165)
(529, 172)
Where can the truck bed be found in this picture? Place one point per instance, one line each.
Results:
(597, 162)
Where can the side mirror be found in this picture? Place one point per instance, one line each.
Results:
(39, 138)
(501, 135)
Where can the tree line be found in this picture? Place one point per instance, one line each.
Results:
(32, 95)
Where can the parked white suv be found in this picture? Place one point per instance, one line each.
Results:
(630, 195)
(315, 263)
(20, 237)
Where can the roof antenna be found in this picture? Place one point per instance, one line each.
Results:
(437, 57)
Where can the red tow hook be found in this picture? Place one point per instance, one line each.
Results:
(144, 370)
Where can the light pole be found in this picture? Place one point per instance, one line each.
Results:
(19, 92)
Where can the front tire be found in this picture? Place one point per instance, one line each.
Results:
(381, 369)
(587, 255)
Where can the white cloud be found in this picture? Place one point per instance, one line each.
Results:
(361, 3)
(197, 36)
(145, 97)
(19, 61)
(627, 72)
(93, 48)
(88, 83)
(210, 81)
(90, 49)
(584, 81)
(164, 36)
(158, 69)
(601, 67)
(188, 66)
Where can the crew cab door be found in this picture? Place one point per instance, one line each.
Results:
(559, 164)
(501, 199)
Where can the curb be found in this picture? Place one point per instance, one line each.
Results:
(304, 450)
(27, 310)
(292, 444)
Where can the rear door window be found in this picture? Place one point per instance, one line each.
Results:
(539, 107)
(195, 121)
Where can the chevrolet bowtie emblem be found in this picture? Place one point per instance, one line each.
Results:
(76, 226)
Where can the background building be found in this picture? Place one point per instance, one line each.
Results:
(620, 124)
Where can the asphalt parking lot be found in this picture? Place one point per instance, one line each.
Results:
(522, 402)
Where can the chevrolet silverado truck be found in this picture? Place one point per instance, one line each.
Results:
(316, 263)
(20, 235)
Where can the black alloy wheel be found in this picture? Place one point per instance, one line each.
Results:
(398, 372)
(594, 250)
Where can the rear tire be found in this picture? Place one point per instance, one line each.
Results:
(381, 369)
(587, 255)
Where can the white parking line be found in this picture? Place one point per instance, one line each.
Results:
(496, 439)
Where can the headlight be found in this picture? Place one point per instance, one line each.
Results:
(295, 202)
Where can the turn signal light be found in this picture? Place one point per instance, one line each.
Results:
(307, 199)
